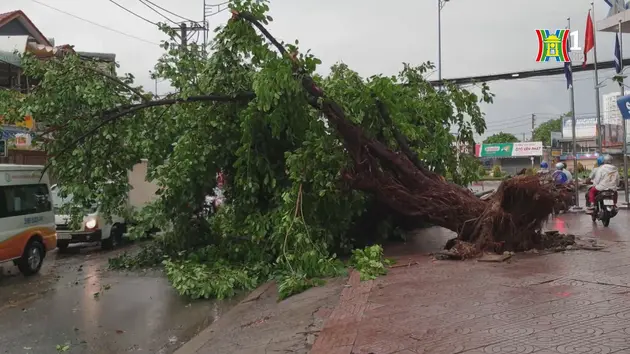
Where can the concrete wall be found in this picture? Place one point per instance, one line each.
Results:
(142, 191)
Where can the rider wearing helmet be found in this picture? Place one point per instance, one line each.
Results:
(605, 177)
(560, 175)
(544, 167)
(600, 161)
(567, 172)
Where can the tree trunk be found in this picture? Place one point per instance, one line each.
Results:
(510, 220)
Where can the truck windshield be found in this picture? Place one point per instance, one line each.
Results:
(59, 202)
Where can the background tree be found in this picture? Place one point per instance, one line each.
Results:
(501, 137)
(543, 131)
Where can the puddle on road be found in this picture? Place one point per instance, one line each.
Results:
(80, 303)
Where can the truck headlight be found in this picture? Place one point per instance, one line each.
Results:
(90, 224)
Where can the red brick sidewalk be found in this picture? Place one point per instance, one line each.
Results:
(571, 302)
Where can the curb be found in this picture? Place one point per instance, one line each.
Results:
(198, 341)
(340, 329)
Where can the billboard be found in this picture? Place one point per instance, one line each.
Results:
(585, 127)
(611, 115)
(531, 148)
(527, 149)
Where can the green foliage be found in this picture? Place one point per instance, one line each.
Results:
(150, 255)
(295, 284)
(496, 171)
(543, 131)
(369, 262)
(481, 171)
(500, 138)
(287, 208)
(197, 280)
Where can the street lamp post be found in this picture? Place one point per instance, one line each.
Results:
(441, 4)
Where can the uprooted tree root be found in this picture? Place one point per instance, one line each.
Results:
(513, 217)
(550, 241)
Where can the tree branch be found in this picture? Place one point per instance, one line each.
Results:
(401, 139)
(242, 96)
(119, 82)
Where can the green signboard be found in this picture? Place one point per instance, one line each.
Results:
(496, 150)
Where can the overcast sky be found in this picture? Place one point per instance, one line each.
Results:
(478, 37)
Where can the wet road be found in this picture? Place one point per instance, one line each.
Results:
(78, 304)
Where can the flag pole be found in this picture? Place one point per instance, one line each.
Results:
(601, 132)
(625, 129)
(572, 100)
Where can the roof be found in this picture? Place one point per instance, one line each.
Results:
(7, 15)
(106, 57)
(30, 26)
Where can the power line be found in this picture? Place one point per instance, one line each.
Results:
(218, 12)
(170, 12)
(219, 4)
(133, 13)
(94, 23)
(156, 11)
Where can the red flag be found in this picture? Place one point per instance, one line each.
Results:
(589, 37)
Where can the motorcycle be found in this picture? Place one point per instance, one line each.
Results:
(604, 207)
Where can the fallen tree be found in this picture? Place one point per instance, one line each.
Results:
(297, 187)
(511, 220)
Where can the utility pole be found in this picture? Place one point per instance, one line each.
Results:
(186, 28)
(523, 137)
(183, 32)
(533, 125)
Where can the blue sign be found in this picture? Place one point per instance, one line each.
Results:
(624, 106)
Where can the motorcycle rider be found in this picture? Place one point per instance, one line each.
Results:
(606, 177)
(600, 161)
(561, 175)
(567, 172)
(544, 168)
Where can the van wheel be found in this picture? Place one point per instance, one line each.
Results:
(32, 258)
(115, 238)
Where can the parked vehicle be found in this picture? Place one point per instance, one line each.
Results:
(604, 207)
(27, 221)
(95, 227)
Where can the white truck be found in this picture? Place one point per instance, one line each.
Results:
(95, 227)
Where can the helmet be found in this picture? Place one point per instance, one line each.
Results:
(560, 177)
(544, 164)
(600, 160)
(559, 166)
(607, 159)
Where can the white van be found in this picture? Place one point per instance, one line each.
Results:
(27, 221)
(94, 226)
